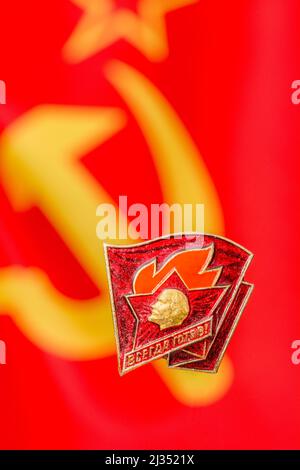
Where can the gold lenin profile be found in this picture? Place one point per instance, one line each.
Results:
(170, 309)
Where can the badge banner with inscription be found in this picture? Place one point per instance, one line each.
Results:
(179, 298)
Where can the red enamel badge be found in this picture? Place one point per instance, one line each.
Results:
(179, 298)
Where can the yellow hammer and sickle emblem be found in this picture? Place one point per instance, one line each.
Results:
(39, 166)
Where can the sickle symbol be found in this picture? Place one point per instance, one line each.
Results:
(38, 167)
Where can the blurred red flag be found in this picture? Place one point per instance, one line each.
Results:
(181, 101)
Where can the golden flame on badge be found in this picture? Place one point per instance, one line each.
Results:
(170, 309)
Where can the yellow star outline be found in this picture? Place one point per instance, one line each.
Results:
(102, 24)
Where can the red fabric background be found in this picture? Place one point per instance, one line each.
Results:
(228, 75)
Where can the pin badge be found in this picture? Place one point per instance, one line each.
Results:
(178, 297)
